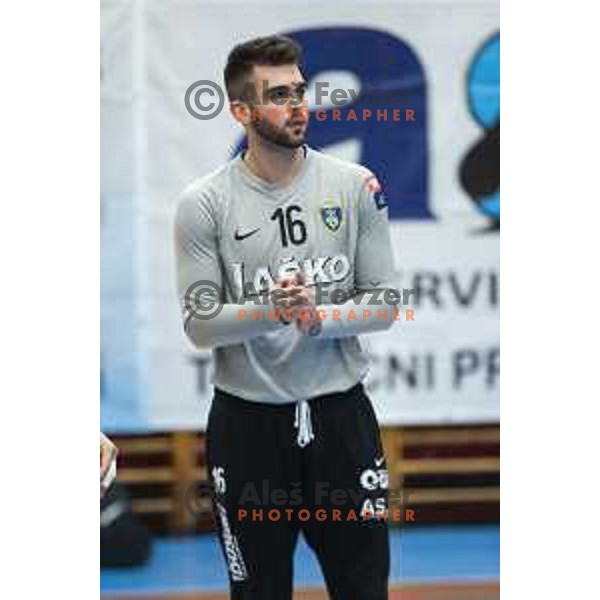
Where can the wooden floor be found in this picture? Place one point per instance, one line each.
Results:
(479, 591)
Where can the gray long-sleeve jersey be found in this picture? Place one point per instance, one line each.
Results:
(241, 233)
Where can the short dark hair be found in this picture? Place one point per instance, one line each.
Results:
(273, 50)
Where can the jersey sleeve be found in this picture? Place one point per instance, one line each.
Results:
(208, 320)
(374, 260)
(196, 251)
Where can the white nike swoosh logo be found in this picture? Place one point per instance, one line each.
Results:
(379, 461)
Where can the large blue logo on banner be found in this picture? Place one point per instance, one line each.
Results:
(391, 78)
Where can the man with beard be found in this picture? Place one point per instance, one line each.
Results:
(285, 230)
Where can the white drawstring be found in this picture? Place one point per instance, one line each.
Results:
(304, 424)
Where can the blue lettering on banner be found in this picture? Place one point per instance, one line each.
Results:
(391, 77)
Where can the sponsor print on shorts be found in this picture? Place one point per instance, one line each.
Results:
(233, 554)
(218, 476)
(374, 479)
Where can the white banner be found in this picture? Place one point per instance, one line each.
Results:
(439, 172)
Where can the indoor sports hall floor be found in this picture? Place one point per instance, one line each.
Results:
(438, 563)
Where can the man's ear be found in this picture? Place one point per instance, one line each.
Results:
(240, 112)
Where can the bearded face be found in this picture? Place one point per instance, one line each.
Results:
(281, 117)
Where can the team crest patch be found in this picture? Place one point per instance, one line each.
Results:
(332, 217)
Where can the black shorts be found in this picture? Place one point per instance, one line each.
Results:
(268, 489)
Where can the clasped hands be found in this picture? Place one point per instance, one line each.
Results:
(296, 303)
